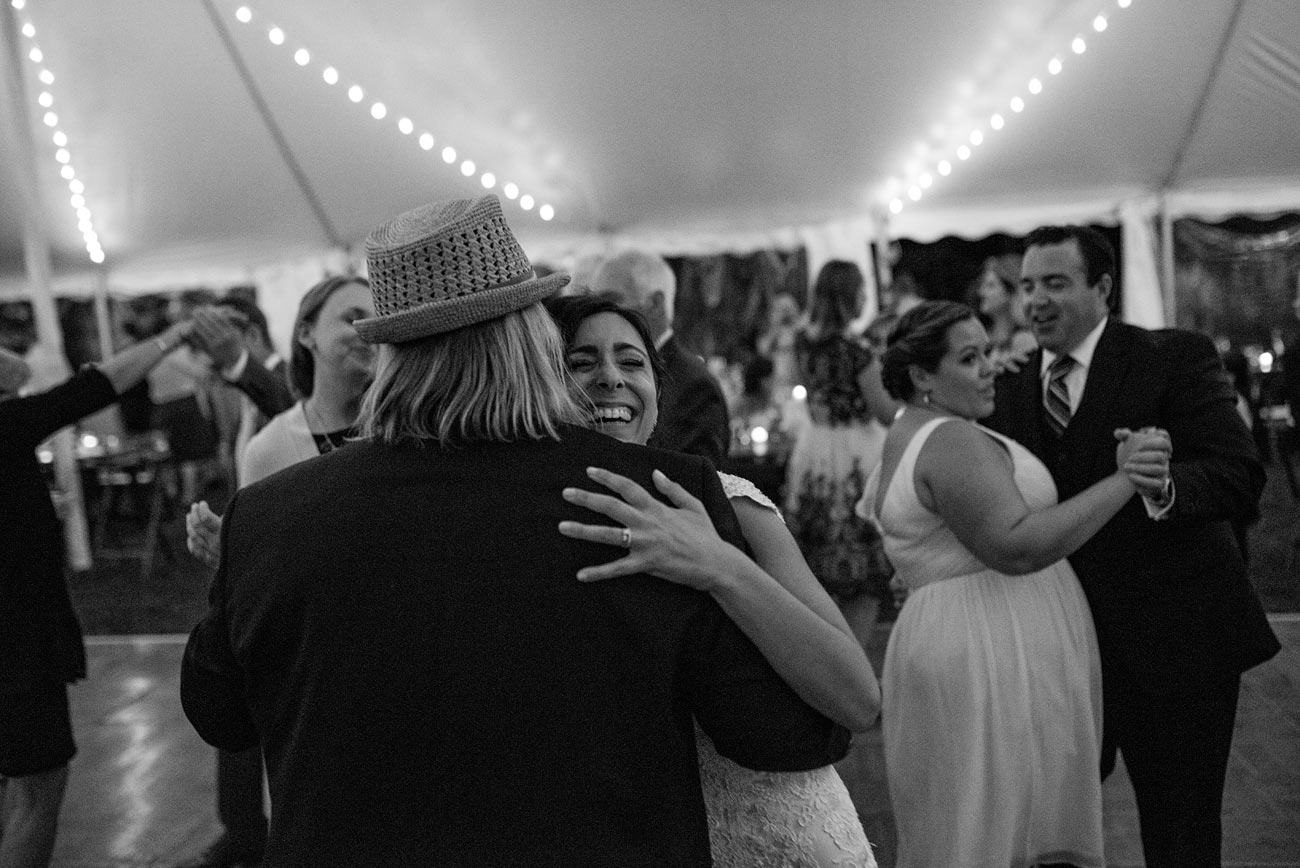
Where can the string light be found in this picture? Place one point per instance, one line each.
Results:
(244, 14)
(919, 171)
(62, 156)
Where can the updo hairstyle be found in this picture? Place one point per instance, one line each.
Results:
(919, 338)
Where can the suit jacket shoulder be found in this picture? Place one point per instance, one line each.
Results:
(693, 411)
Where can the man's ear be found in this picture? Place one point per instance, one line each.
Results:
(1104, 286)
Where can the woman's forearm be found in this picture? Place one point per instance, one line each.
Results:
(822, 663)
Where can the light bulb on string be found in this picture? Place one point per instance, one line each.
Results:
(1035, 86)
(330, 74)
(449, 155)
(46, 77)
(378, 111)
(1078, 46)
(895, 206)
(963, 153)
(276, 35)
(46, 99)
(29, 30)
(914, 193)
(355, 93)
(35, 55)
(488, 180)
(526, 202)
(510, 190)
(405, 125)
(1099, 23)
(62, 155)
(1054, 66)
(68, 173)
(945, 168)
(996, 122)
(467, 168)
(546, 212)
(925, 180)
(976, 138)
(243, 14)
(302, 57)
(426, 141)
(60, 138)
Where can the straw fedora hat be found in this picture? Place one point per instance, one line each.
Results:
(445, 266)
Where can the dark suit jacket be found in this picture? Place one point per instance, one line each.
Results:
(267, 388)
(692, 412)
(402, 629)
(1170, 599)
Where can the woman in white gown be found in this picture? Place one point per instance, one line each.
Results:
(787, 819)
(991, 685)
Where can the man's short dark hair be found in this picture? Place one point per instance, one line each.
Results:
(1098, 255)
(250, 312)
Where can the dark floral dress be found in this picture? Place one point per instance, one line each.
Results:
(829, 466)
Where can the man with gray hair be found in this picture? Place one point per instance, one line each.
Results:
(693, 414)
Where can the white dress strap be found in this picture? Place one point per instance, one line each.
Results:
(738, 486)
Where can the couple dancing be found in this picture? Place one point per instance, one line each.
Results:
(421, 632)
(993, 678)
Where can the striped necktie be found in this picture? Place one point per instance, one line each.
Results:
(1057, 399)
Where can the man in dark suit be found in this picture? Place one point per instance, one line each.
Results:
(693, 413)
(400, 626)
(1177, 620)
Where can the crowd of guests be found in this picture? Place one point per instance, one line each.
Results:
(483, 598)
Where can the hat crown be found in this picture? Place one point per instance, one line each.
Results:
(442, 251)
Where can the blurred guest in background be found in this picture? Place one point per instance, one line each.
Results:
(1002, 308)
(180, 388)
(234, 333)
(694, 416)
(777, 343)
(848, 412)
(41, 650)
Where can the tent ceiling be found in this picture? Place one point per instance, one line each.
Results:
(711, 116)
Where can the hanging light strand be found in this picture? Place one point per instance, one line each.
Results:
(379, 110)
(58, 139)
(920, 178)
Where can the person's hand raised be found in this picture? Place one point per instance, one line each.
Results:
(673, 542)
(217, 335)
(203, 533)
(1143, 456)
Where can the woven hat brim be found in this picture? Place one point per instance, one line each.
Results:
(444, 315)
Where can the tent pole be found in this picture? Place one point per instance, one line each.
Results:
(1167, 264)
(36, 257)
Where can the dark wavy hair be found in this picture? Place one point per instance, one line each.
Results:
(1098, 255)
(302, 367)
(836, 298)
(571, 311)
(920, 338)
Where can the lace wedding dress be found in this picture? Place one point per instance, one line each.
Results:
(777, 819)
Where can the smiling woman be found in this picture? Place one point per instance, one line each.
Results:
(773, 598)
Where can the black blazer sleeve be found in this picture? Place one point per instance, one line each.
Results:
(268, 390)
(753, 717)
(1216, 470)
(212, 682)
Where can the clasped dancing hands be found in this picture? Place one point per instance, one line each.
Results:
(1143, 456)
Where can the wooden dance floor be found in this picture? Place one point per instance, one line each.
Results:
(141, 790)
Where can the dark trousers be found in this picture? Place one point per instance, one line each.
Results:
(239, 797)
(1175, 749)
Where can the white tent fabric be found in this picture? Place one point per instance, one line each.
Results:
(210, 157)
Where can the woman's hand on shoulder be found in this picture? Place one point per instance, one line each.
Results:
(677, 542)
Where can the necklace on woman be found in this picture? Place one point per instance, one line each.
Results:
(326, 440)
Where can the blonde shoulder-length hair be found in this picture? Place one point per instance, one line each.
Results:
(499, 380)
